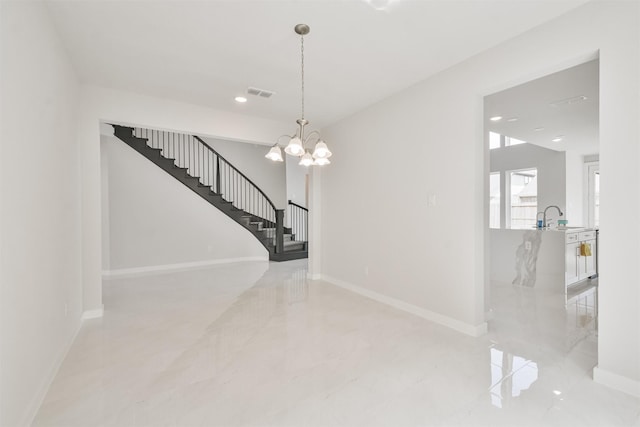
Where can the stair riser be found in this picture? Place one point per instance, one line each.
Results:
(288, 256)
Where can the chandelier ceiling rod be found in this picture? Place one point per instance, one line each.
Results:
(302, 29)
(297, 142)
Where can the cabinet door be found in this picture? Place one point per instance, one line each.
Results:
(590, 261)
(571, 263)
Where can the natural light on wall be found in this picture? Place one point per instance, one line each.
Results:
(494, 140)
(508, 141)
(497, 140)
(494, 200)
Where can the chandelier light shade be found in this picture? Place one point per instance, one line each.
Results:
(321, 161)
(298, 141)
(306, 159)
(295, 147)
(321, 151)
(275, 154)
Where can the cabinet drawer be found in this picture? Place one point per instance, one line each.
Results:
(573, 237)
(587, 235)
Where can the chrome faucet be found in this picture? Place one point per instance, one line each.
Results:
(544, 217)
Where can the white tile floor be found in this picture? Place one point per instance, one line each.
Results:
(258, 344)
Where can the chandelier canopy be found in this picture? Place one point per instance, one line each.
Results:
(298, 141)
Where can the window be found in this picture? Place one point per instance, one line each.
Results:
(523, 198)
(596, 199)
(508, 141)
(494, 200)
(494, 140)
(593, 194)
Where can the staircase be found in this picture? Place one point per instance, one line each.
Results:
(198, 166)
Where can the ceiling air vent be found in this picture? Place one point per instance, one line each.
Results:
(263, 93)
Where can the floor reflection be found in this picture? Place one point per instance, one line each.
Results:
(542, 317)
(510, 375)
(260, 344)
(228, 337)
(528, 320)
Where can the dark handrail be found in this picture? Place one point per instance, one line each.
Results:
(298, 206)
(235, 169)
(298, 221)
(201, 161)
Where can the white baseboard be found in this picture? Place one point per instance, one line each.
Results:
(36, 403)
(457, 325)
(315, 276)
(616, 381)
(93, 314)
(172, 268)
(42, 393)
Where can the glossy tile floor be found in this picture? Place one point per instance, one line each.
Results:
(258, 344)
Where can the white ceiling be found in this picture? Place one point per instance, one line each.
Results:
(208, 52)
(535, 104)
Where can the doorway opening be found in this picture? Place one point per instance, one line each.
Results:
(542, 192)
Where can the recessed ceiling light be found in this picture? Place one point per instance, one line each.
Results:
(241, 99)
(557, 138)
(512, 119)
(539, 129)
(569, 101)
(557, 392)
(379, 4)
(495, 118)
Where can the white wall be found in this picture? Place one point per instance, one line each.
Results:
(428, 140)
(104, 188)
(157, 222)
(113, 106)
(296, 181)
(576, 189)
(40, 212)
(551, 178)
(249, 159)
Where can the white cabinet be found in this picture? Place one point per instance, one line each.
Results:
(580, 256)
(572, 255)
(590, 261)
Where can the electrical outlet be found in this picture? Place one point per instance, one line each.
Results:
(527, 245)
(66, 309)
(432, 200)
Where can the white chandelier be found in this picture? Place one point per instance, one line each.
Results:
(298, 141)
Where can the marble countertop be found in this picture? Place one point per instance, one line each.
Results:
(572, 229)
(558, 229)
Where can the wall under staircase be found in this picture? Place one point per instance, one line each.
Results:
(150, 223)
(199, 168)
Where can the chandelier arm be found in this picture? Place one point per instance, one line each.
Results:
(282, 136)
(317, 135)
